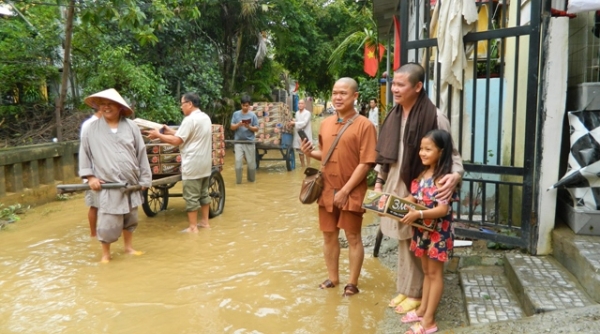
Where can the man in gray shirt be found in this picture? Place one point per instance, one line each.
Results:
(245, 124)
(112, 150)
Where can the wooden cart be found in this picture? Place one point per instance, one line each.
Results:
(157, 196)
(285, 149)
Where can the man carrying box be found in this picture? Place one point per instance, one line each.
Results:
(194, 138)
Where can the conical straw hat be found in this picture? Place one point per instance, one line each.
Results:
(111, 95)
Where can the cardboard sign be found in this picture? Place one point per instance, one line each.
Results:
(394, 207)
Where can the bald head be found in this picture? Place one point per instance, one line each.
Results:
(350, 82)
(415, 73)
(343, 95)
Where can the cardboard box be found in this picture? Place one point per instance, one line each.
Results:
(580, 219)
(145, 124)
(218, 153)
(168, 149)
(155, 168)
(170, 158)
(161, 148)
(152, 149)
(392, 206)
(170, 168)
(153, 159)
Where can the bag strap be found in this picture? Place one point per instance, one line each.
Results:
(337, 138)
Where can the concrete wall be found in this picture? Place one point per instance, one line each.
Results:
(29, 174)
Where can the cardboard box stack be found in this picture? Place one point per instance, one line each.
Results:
(218, 142)
(394, 207)
(273, 119)
(166, 158)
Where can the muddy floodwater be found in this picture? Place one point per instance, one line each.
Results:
(255, 271)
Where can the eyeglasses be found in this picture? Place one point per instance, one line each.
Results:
(184, 102)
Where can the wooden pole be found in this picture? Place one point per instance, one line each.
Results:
(65, 69)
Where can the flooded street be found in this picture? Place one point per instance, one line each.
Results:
(255, 271)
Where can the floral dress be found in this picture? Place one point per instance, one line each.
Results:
(438, 243)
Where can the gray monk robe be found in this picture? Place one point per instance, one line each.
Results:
(409, 281)
(115, 157)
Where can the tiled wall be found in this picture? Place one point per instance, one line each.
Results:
(584, 50)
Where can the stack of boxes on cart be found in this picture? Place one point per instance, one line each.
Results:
(166, 158)
(273, 119)
(218, 143)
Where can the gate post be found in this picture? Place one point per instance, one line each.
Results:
(552, 110)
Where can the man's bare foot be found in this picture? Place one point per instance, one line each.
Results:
(190, 230)
(203, 225)
(133, 252)
(105, 259)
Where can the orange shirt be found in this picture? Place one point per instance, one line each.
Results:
(356, 146)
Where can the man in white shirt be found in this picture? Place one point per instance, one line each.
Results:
(302, 122)
(194, 138)
(91, 196)
(374, 113)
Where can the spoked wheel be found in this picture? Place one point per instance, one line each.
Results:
(157, 199)
(290, 159)
(216, 191)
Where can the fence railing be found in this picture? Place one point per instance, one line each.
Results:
(28, 174)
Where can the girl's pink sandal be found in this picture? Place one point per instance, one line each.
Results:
(418, 329)
(411, 317)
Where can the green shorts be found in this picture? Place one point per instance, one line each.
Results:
(195, 193)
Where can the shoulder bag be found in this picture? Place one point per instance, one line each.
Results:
(312, 186)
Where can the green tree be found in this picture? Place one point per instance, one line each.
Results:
(28, 54)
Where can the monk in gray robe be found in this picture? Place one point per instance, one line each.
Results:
(112, 150)
(398, 163)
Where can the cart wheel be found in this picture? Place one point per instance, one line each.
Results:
(216, 191)
(157, 199)
(290, 159)
(377, 243)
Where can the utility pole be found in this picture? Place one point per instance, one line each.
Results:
(60, 106)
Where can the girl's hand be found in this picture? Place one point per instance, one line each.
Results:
(411, 216)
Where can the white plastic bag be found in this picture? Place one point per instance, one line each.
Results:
(578, 6)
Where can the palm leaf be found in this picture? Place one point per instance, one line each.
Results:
(249, 7)
(359, 39)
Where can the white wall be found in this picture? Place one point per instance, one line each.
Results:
(554, 94)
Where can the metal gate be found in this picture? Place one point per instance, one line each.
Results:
(494, 118)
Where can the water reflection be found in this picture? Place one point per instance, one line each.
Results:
(255, 271)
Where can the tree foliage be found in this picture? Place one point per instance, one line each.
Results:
(154, 51)
(29, 55)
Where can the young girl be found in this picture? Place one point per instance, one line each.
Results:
(431, 247)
